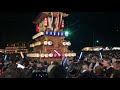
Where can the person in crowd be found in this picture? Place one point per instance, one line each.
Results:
(86, 73)
(58, 71)
(10, 72)
(94, 63)
(55, 63)
(74, 70)
(87, 61)
(99, 72)
(108, 69)
(116, 66)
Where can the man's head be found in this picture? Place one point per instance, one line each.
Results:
(93, 60)
(116, 65)
(106, 62)
(85, 67)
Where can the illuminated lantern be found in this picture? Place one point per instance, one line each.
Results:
(42, 33)
(73, 54)
(45, 42)
(58, 33)
(50, 55)
(69, 54)
(62, 24)
(49, 42)
(55, 55)
(45, 22)
(64, 43)
(61, 34)
(37, 28)
(66, 54)
(42, 55)
(46, 33)
(51, 33)
(54, 33)
(46, 55)
(33, 45)
(39, 43)
(68, 43)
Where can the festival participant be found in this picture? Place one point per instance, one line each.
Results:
(108, 67)
(116, 66)
(57, 71)
(94, 63)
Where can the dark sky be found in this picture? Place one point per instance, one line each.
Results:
(16, 26)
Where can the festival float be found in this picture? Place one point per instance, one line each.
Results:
(49, 42)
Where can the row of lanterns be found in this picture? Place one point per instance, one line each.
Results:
(66, 43)
(38, 35)
(51, 55)
(56, 55)
(39, 43)
(55, 33)
(49, 34)
(48, 43)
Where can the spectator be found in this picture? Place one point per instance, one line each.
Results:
(99, 71)
(94, 63)
(108, 68)
(74, 70)
(58, 72)
(86, 73)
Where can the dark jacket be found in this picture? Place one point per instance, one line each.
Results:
(109, 72)
(88, 74)
(116, 74)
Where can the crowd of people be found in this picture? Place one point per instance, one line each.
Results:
(91, 65)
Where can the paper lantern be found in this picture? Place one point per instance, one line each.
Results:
(46, 33)
(55, 55)
(45, 22)
(37, 28)
(50, 55)
(33, 45)
(66, 54)
(51, 33)
(62, 24)
(39, 43)
(54, 34)
(58, 33)
(64, 43)
(42, 55)
(46, 55)
(61, 33)
(45, 42)
(42, 33)
(68, 43)
(69, 54)
(49, 42)
(73, 54)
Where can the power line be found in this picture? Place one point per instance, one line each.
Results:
(74, 23)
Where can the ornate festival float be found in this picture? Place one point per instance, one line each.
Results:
(49, 42)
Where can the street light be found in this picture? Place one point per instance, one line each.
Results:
(96, 42)
(67, 33)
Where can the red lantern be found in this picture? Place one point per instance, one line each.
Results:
(55, 55)
(37, 28)
(45, 22)
(62, 24)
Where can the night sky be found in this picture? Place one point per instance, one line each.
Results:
(18, 26)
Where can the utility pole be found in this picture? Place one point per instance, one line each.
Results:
(93, 39)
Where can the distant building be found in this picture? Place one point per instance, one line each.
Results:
(2, 50)
(16, 48)
(98, 48)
